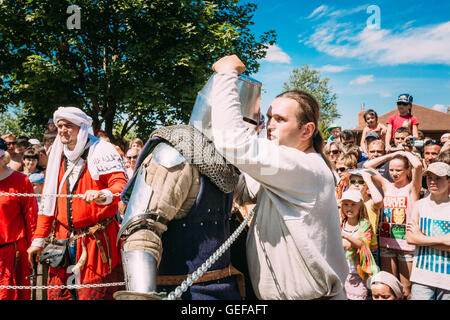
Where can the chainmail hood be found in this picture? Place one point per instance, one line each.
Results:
(201, 152)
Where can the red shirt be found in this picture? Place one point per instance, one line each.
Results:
(398, 121)
(81, 215)
(18, 215)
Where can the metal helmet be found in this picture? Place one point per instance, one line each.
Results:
(249, 96)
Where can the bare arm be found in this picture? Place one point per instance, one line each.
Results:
(372, 164)
(415, 131)
(416, 182)
(387, 142)
(354, 242)
(416, 237)
(363, 140)
(377, 197)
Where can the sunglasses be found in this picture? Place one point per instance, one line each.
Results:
(10, 143)
(334, 151)
(436, 142)
(361, 182)
(402, 104)
(133, 157)
(341, 169)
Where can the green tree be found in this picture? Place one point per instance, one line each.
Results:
(309, 80)
(132, 64)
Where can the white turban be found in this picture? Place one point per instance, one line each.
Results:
(81, 119)
(391, 281)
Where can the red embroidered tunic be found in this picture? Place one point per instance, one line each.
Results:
(76, 213)
(18, 217)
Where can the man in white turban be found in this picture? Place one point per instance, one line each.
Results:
(82, 164)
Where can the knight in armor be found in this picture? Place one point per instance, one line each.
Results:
(179, 203)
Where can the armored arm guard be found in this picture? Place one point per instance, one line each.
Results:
(165, 188)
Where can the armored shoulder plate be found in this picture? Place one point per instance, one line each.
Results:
(167, 156)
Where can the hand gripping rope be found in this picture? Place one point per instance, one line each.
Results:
(172, 295)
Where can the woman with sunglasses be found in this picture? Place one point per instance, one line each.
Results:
(396, 255)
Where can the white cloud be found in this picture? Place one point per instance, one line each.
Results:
(318, 12)
(426, 44)
(347, 12)
(275, 54)
(363, 80)
(441, 108)
(385, 95)
(333, 69)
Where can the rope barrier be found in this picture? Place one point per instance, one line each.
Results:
(172, 295)
(70, 287)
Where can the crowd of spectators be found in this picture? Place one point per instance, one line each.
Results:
(388, 183)
(396, 169)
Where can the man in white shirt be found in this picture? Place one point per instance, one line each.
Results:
(294, 245)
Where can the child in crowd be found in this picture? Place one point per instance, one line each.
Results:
(37, 180)
(429, 230)
(403, 118)
(396, 254)
(371, 118)
(385, 286)
(30, 161)
(345, 162)
(335, 131)
(361, 180)
(356, 238)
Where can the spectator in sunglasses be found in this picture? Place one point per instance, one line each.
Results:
(15, 162)
(131, 158)
(431, 150)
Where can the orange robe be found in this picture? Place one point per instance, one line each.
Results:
(18, 217)
(75, 213)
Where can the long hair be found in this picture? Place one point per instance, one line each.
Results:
(309, 111)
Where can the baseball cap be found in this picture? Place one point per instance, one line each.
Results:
(373, 134)
(440, 169)
(352, 195)
(36, 177)
(405, 97)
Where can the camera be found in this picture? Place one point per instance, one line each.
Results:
(413, 142)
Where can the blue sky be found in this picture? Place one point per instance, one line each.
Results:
(409, 53)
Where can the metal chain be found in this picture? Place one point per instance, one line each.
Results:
(70, 287)
(94, 285)
(211, 260)
(36, 195)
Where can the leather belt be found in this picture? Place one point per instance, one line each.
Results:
(93, 230)
(6, 244)
(174, 280)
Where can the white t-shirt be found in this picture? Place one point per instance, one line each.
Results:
(294, 245)
(431, 267)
